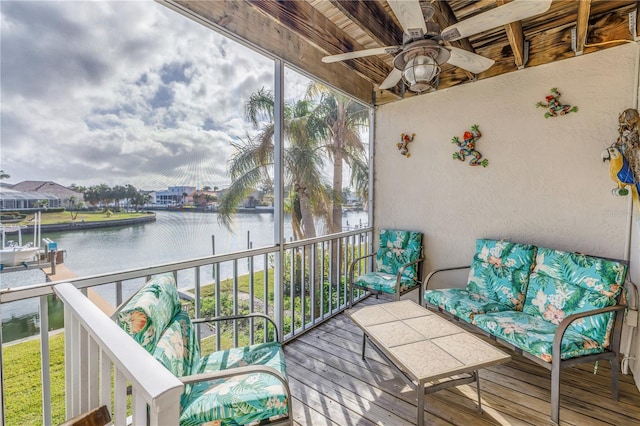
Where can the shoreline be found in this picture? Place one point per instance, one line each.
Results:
(78, 226)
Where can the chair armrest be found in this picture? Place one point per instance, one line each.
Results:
(353, 264)
(562, 327)
(437, 271)
(236, 317)
(401, 270)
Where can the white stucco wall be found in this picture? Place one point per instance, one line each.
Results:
(545, 184)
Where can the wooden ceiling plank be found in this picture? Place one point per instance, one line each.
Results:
(302, 19)
(472, 8)
(609, 27)
(241, 20)
(582, 25)
(373, 19)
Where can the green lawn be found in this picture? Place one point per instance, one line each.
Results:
(65, 217)
(23, 385)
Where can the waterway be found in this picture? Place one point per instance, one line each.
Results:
(174, 236)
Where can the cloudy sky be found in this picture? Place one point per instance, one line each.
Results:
(126, 92)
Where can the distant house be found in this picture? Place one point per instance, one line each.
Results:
(29, 193)
(18, 200)
(204, 199)
(174, 196)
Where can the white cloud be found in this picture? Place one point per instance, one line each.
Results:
(119, 93)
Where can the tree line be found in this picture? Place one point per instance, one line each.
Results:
(103, 195)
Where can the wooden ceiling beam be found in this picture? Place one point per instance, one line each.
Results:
(241, 20)
(515, 35)
(582, 25)
(445, 17)
(373, 19)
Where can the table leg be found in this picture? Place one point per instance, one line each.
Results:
(420, 397)
(364, 341)
(477, 377)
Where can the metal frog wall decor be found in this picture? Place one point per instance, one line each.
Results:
(403, 145)
(468, 148)
(554, 106)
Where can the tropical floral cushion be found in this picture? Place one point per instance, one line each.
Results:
(149, 312)
(386, 283)
(237, 400)
(566, 283)
(592, 273)
(463, 304)
(535, 335)
(500, 271)
(177, 348)
(397, 248)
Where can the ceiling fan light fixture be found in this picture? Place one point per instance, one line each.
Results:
(420, 73)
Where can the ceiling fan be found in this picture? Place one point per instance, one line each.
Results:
(417, 61)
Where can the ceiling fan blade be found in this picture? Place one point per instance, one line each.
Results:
(501, 15)
(392, 79)
(468, 61)
(360, 54)
(409, 13)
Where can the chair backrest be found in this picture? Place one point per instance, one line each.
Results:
(500, 271)
(149, 312)
(398, 248)
(564, 283)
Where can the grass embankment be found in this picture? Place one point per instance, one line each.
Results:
(66, 217)
(23, 384)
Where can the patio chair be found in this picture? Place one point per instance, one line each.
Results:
(241, 385)
(397, 266)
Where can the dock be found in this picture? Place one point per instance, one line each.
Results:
(62, 273)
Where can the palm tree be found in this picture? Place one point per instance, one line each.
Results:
(252, 164)
(342, 120)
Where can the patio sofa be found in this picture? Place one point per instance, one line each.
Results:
(228, 387)
(554, 307)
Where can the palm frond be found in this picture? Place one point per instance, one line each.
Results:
(260, 106)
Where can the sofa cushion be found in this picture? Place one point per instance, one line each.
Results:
(535, 335)
(149, 312)
(177, 348)
(500, 271)
(384, 282)
(604, 276)
(463, 304)
(566, 283)
(398, 248)
(237, 400)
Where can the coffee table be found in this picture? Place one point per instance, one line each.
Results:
(425, 347)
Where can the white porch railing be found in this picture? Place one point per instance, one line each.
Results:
(311, 288)
(96, 348)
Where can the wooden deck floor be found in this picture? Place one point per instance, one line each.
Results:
(332, 385)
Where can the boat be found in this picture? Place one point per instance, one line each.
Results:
(14, 253)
